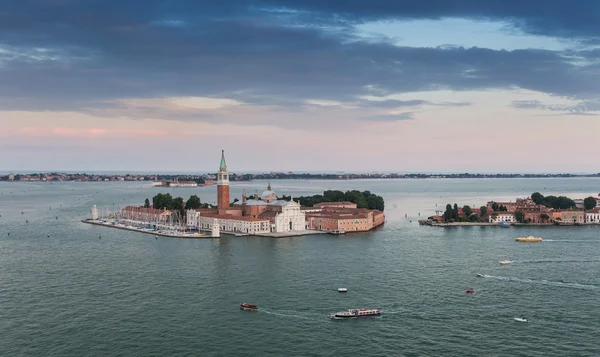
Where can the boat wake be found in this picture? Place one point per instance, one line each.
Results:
(544, 282)
(292, 314)
(554, 261)
(571, 240)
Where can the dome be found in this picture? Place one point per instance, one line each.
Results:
(269, 195)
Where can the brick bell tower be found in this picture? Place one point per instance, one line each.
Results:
(223, 186)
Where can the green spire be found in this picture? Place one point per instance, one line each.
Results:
(223, 164)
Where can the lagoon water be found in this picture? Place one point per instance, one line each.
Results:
(95, 291)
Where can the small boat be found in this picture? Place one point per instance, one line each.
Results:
(503, 224)
(356, 313)
(469, 291)
(480, 275)
(248, 307)
(521, 319)
(530, 239)
(336, 232)
(342, 290)
(505, 261)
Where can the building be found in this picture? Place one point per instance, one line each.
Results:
(344, 219)
(497, 217)
(234, 224)
(264, 214)
(11, 177)
(573, 216)
(146, 214)
(223, 186)
(343, 204)
(593, 216)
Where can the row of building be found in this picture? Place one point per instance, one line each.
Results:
(537, 213)
(267, 214)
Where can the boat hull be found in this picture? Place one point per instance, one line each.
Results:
(336, 316)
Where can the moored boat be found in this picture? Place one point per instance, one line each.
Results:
(248, 307)
(530, 239)
(336, 232)
(503, 224)
(356, 313)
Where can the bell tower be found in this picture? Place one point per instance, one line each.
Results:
(223, 186)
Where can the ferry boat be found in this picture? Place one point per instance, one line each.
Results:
(356, 313)
(248, 307)
(529, 239)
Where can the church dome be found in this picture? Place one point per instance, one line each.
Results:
(269, 195)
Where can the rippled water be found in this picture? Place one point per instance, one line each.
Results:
(87, 290)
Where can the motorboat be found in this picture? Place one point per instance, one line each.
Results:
(470, 291)
(521, 319)
(530, 239)
(505, 261)
(342, 290)
(336, 232)
(248, 307)
(480, 275)
(356, 313)
(503, 224)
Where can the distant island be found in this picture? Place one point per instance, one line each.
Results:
(536, 209)
(188, 180)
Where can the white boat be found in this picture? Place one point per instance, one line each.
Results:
(505, 261)
(356, 313)
(521, 319)
(342, 290)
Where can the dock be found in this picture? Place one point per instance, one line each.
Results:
(162, 233)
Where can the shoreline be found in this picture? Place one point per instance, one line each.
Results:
(488, 224)
(156, 233)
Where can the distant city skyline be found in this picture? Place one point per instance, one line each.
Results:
(300, 85)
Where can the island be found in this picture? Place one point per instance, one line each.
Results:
(536, 209)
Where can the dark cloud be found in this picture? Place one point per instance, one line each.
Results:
(81, 54)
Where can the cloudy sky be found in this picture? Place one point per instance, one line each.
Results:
(427, 85)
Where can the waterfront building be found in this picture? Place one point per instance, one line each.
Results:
(146, 214)
(497, 217)
(234, 224)
(344, 219)
(573, 216)
(593, 215)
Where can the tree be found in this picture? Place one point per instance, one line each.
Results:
(589, 202)
(147, 203)
(193, 202)
(544, 217)
(448, 213)
(455, 212)
(494, 206)
(482, 211)
(520, 216)
(467, 211)
(234, 201)
(537, 198)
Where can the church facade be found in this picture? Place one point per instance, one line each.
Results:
(258, 215)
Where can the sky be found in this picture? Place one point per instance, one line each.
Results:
(291, 85)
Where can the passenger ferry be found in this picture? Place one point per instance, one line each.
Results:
(356, 313)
